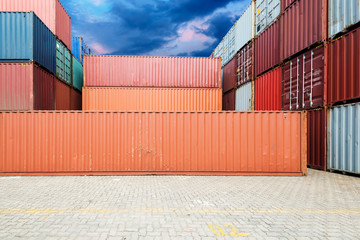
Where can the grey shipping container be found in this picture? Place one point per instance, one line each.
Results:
(244, 100)
(24, 38)
(63, 62)
(344, 138)
(267, 11)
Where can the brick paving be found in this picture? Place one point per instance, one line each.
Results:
(320, 206)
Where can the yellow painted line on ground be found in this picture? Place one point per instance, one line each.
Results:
(184, 211)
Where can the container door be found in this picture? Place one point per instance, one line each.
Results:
(291, 84)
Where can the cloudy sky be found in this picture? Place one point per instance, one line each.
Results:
(153, 27)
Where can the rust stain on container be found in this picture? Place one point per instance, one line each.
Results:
(268, 91)
(344, 68)
(152, 99)
(245, 65)
(301, 27)
(131, 71)
(207, 143)
(267, 49)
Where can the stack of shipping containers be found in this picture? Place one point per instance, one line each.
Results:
(129, 83)
(35, 59)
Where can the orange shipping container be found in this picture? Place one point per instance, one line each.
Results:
(95, 143)
(152, 99)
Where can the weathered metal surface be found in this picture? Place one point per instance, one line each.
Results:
(245, 65)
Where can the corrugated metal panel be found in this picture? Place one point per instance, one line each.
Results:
(79, 48)
(301, 27)
(229, 101)
(24, 86)
(245, 66)
(267, 11)
(342, 14)
(152, 99)
(77, 74)
(245, 31)
(118, 71)
(245, 97)
(229, 75)
(285, 4)
(24, 37)
(267, 45)
(307, 81)
(344, 138)
(268, 91)
(317, 139)
(219, 51)
(212, 143)
(62, 95)
(47, 11)
(63, 62)
(344, 68)
(229, 45)
(75, 100)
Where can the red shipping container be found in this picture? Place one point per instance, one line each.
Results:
(268, 91)
(131, 71)
(301, 27)
(76, 100)
(317, 139)
(344, 68)
(229, 100)
(306, 87)
(229, 75)
(62, 96)
(51, 12)
(245, 66)
(267, 49)
(25, 86)
(285, 4)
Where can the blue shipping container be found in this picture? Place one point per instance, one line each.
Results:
(24, 37)
(79, 48)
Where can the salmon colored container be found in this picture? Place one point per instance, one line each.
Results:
(317, 139)
(285, 4)
(75, 99)
(229, 75)
(51, 12)
(301, 27)
(303, 81)
(25, 86)
(130, 71)
(267, 49)
(344, 68)
(229, 101)
(111, 143)
(268, 91)
(245, 65)
(152, 99)
(62, 96)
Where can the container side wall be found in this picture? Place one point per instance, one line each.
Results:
(316, 139)
(44, 89)
(77, 74)
(63, 24)
(267, 11)
(268, 91)
(245, 66)
(229, 45)
(62, 95)
(229, 101)
(244, 97)
(229, 75)
(285, 4)
(76, 100)
(244, 31)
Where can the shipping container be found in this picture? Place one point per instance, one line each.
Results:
(51, 13)
(268, 91)
(344, 68)
(244, 100)
(77, 74)
(79, 48)
(267, 45)
(229, 45)
(267, 11)
(342, 15)
(286, 3)
(62, 96)
(244, 65)
(25, 38)
(122, 71)
(317, 139)
(25, 86)
(75, 99)
(229, 76)
(245, 31)
(219, 51)
(152, 99)
(114, 143)
(301, 27)
(344, 138)
(228, 101)
(63, 62)
(303, 81)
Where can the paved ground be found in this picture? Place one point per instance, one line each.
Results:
(320, 206)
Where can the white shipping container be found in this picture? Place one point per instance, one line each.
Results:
(244, 100)
(342, 14)
(229, 45)
(219, 51)
(245, 27)
(267, 11)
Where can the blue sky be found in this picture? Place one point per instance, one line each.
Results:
(153, 27)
